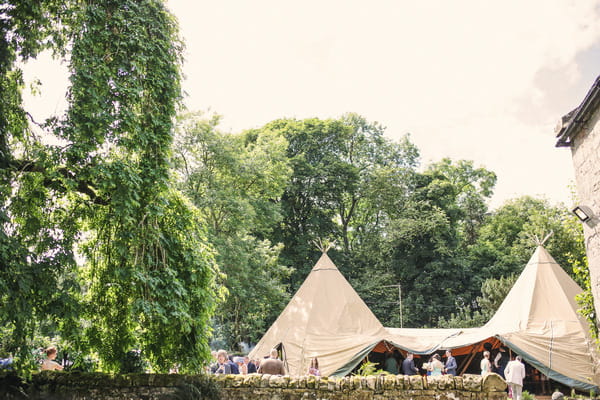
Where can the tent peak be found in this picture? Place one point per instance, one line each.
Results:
(536, 239)
(323, 245)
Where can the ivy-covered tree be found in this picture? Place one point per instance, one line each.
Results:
(146, 277)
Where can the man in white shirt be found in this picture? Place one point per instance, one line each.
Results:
(515, 372)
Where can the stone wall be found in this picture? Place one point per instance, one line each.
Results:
(585, 150)
(96, 386)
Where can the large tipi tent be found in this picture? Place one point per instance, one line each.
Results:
(538, 320)
(326, 319)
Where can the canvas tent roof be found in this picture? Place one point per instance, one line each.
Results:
(538, 320)
(326, 319)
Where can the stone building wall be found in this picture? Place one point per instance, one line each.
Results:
(95, 386)
(585, 149)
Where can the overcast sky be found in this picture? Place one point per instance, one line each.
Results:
(479, 80)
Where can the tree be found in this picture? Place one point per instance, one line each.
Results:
(507, 237)
(147, 278)
(427, 238)
(236, 181)
(339, 167)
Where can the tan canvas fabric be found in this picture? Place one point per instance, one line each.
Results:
(326, 319)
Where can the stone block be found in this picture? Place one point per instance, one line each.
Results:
(401, 382)
(293, 382)
(264, 380)
(277, 381)
(371, 382)
(389, 382)
(416, 382)
(252, 380)
(472, 383)
(237, 381)
(458, 382)
(493, 383)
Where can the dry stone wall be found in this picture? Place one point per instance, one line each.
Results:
(96, 386)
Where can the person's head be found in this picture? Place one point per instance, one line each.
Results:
(409, 356)
(389, 354)
(486, 354)
(246, 359)
(448, 353)
(436, 356)
(222, 356)
(51, 352)
(238, 360)
(314, 363)
(518, 358)
(274, 353)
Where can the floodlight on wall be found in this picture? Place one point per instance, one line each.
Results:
(583, 213)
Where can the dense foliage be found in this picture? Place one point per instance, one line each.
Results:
(146, 274)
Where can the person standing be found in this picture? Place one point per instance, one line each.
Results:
(435, 365)
(222, 366)
(314, 367)
(486, 365)
(500, 361)
(450, 366)
(272, 365)
(49, 364)
(515, 373)
(391, 365)
(251, 365)
(408, 365)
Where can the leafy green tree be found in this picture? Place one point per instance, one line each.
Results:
(508, 237)
(340, 168)
(236, 182)
(426, 239)
(147, 273)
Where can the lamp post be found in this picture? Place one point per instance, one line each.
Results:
(399, 299)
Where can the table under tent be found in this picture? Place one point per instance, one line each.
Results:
(538, 320)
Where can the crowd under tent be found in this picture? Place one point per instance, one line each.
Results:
(538, 320)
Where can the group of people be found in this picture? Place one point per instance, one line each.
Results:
(513, 370)
(433, 367)
(271, 364)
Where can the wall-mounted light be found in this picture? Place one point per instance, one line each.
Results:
(583, 213)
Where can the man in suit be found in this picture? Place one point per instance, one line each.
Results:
(515, 372)
(408, 365)
(450, 366)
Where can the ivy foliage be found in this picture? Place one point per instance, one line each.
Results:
(145, 274)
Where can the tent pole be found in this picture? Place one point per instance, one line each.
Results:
(468, 361)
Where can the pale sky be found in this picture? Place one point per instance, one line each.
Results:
(480, 80)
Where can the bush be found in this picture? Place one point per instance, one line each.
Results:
(133, 362)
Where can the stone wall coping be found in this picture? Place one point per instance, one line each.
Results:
(469, 383)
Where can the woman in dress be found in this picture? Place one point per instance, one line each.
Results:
(486, 365)
(436, 366)
(314, 367)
